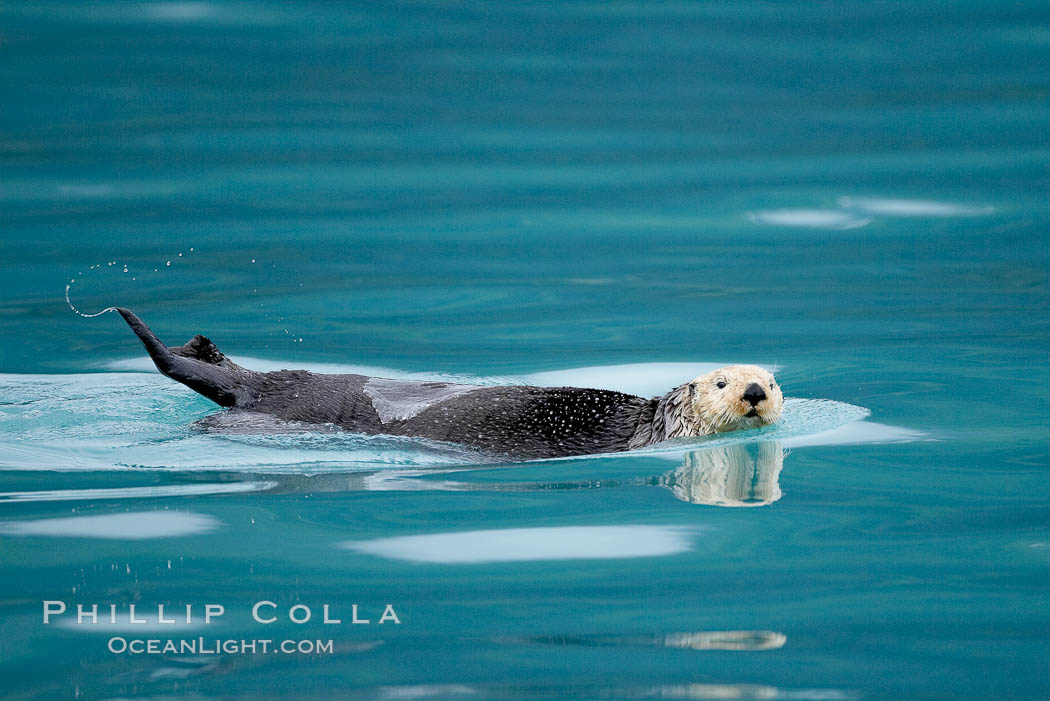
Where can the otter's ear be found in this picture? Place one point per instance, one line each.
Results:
(692, 390)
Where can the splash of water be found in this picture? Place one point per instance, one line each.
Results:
(77, 311)
(290, 333)
(110, 264)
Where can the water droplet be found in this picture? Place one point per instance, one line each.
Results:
(168, 263)
(125, 268)
(253, 260)
(180, 255)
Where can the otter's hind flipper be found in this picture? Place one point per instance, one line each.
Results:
(198, 364)
(201, 348)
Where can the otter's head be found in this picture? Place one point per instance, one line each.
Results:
(732, 398)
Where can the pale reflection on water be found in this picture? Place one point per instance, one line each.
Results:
(140, 525)
(698, 691)
(523, 544)
(742, 640)
(725, 640)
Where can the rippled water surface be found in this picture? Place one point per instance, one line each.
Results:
(614, 195)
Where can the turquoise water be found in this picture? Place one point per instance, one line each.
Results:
(596, 194)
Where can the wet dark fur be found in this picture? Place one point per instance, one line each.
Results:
(519, 421)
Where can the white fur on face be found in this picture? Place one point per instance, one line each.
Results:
(716, 400)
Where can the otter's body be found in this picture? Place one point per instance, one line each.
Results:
(526, 422)
(520, 421)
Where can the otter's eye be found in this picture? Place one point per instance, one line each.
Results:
(721, 385)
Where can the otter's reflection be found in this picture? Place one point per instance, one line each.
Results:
(729, 475)
(734, 474)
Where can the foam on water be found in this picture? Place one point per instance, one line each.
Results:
(855, 433)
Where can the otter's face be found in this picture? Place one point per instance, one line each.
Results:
(735, 397)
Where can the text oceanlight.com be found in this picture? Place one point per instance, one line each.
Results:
(216, 646)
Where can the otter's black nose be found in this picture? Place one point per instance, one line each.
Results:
(754, 394)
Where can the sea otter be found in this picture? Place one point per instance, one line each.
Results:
(518, 421)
